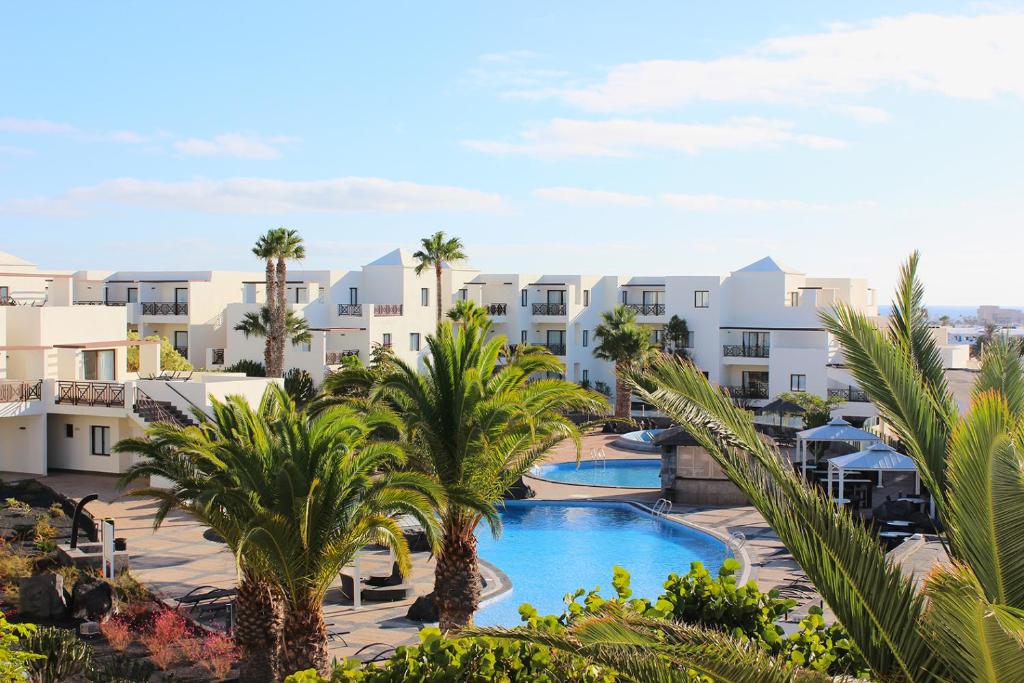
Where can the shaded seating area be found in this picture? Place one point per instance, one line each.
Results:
(836, 431)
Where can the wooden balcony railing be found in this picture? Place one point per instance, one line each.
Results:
(851, 394)
(107, 394)
(350, 309)
(549, 309)
(647, 309)
(164, 308)
(740, 351)
(386, 310)
(16, 391)
(496, 309)
(753, 390)
(338, 357)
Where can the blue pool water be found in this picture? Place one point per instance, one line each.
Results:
(549, 549)
(629, 473)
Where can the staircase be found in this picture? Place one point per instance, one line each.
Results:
(159, 411)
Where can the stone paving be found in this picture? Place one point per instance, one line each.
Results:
(177, 558)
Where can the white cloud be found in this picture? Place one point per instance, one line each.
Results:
(715, 202)
(972, 57)
(624, 137)
(229, 145)
(8, 151)
(581, 197)
(863, 113)
(15, 125)
(263, 196)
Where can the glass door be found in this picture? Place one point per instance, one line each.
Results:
(181, 342)
(755, 340)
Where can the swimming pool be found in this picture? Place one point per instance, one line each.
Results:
(634, 473)
(549, 549)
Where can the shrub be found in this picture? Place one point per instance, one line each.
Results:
(69, 573)
(250, 367)
(170, 359)
(164, 638)
(44, 534)
(299, 385)
(118, 633)
(128, 589)
(121, 669)
(63, 655)
(56, 511)
(14, 662)
(219, 654)
(13, 565)
(15, 504)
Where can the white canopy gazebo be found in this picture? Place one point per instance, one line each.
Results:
(837, 429)
(879, 457)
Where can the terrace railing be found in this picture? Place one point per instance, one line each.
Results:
(386, 310)
(338, 357)
(109, 394)
(496, 309)
(851, 394)
(740, 351)
(556, 349)
(16, 391)
(164, 308)
(549, 309)
(755, 390)
(647, 309)
(350, 309)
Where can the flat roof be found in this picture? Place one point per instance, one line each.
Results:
(106, 344)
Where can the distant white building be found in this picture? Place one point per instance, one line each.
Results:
(1004, 317)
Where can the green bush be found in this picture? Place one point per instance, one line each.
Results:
(299, 385)
(63, 655)
(121, 669)
(250, 367)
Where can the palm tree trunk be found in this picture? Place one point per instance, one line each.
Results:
(258, 628)
(622, 396)
(437, 272)
(279, 319)
(270, 345)
(457, 577)
(305, 645)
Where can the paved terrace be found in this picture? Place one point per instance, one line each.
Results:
(177, 558)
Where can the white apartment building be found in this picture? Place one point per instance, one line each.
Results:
(66, 395)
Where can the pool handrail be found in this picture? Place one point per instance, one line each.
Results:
(662, 507)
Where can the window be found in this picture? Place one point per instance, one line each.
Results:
(4, 292)
(424, 297)
(658, 336)
(181, 342)
(653, 297)
(133, 295)
(301, 295)
(798, 382)
(556, 296)
(522, 298)
(755, 340)
(586, 337)
(353, 295)
(69, 431)
(689, 340)
(320, 295)
(701, 298)
(625, 296)
(586, 297)
(386, 340)
(100, 440)
(794, 298)
(522, 337)
(586, 376)
(414, 341)
(463, 294)
(181, 295)
(305, 346)
(98, 366)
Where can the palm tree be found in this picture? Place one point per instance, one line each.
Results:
(289, 247)
(990, 332)
(967, 624)
(435, 251)
(258, 324)
(621, 340)
(201, 462)
(267, 248)
(468, 312)
(477, 419)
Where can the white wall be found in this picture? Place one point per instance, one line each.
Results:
(75, 453)
(23, 444)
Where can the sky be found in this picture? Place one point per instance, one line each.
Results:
(570, 137)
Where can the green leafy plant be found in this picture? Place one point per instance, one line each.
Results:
(15, 661)
(64, 655)
(623, 341)
(121, 669)
(18, 505)
(170, 359)
(56, 511)
(434, 252)
(299, 385)
(251, 368)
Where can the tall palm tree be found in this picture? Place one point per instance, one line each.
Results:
(207, 484)
(289, 248)
(434, 252)
(621, 340)
(267, 247)
(258, 324)
(967, 624)
(468, 312)
(477, 425)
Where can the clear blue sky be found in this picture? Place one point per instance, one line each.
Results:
(656, 137)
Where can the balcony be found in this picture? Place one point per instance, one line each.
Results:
(108, 394)
(750, 391)
(16, 391)
(164, 308)
(740, 351)
(849, 394)
(647, 309)
(350, 309)
(89, 302)
(556, 349)
(386, 310)
(549, 309)
(338, 357)
(496, 309)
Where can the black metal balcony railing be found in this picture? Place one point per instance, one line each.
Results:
(497, 309)
(753, 390)
(91, 393)
(549, 309)
(386, 310)
(164, 308)
(350, 309)
(15, 391)
(851, 394)
(218, 357)
(338, 357)
(647, 309)
(556, 349)
(740, 351)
